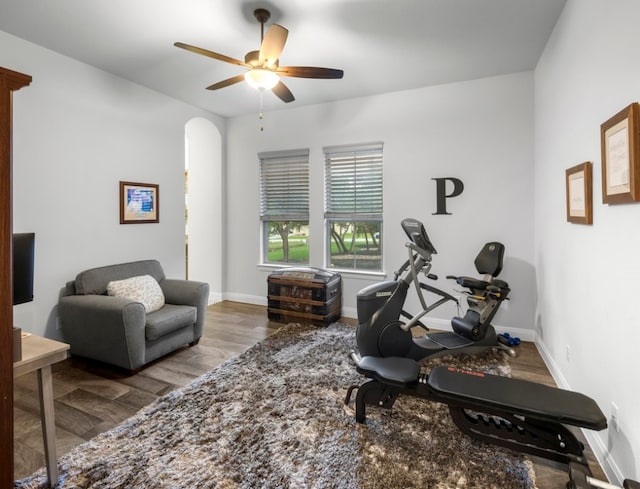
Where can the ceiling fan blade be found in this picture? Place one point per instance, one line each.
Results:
(273, 44)
(283, 93)
(226, 83)
(210, 54)
(310, 72)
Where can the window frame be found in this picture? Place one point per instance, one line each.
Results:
(365, 206)
(284, 194)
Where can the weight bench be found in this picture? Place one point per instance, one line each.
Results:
(520, 415)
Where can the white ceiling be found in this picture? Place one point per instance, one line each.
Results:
(382, 46)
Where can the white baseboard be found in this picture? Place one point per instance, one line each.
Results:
(258, 300)
(347, 312)
(445, 325)
(352, 312)
(601, 452)
(214, 297)
(557, 375)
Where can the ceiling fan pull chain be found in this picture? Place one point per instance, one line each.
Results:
(261, 90)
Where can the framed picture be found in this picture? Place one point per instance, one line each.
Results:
(139, 203)
(579, 194)
(620, 165)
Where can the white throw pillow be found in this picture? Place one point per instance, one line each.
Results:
(144, 289)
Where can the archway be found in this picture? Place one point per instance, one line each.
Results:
(203, 157)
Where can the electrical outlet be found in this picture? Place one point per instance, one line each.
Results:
(615, 420)
(568, 353)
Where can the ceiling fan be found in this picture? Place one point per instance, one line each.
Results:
(264, 70)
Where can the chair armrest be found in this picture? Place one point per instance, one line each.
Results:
(104, 328)
(185, 292)
(188, 293)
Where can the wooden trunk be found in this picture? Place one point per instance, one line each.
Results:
(304, 295)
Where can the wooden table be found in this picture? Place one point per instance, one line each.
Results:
(38, 354)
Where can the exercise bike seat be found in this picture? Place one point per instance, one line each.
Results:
(398, 371)
(495, 394)
(471, 283)
(488, 262)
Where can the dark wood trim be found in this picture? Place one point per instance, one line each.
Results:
(9, 82)
(629, 192)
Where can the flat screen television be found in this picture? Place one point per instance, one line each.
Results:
(23, 267)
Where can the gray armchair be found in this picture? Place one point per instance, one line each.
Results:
(117, 330)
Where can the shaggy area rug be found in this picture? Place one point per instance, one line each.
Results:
(274, 417)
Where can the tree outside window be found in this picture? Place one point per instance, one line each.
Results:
(353, 206)
(284, 206)
(287, 242)
(355, 245)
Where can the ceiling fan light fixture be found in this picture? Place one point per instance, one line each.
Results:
(263, 64)
(261, 79)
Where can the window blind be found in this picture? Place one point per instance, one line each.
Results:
(353, 181)
(284, 185)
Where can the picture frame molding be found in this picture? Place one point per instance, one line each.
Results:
(579, 193)
(127, 216)
(620, 146)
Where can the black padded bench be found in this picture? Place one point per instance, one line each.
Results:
(517, 414)
(486, 392)
(480, 391)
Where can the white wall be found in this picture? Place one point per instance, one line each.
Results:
(479, 131)
(205, 205)
(77, 132)
(586, 275)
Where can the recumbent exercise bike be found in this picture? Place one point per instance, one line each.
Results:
(381, 333)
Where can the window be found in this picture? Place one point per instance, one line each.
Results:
(284, 206)
(353, 206)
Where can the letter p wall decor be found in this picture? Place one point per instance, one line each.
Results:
(442, 195)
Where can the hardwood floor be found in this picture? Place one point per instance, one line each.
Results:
(91, 398)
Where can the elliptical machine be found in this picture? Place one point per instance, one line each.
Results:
(380, 333)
